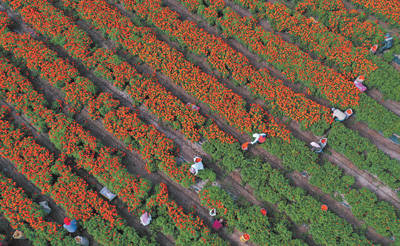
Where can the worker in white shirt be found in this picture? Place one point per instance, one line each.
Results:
(341, 116)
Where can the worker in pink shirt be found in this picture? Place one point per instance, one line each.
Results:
(217, 224)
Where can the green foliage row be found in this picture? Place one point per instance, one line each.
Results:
(247, 218)
(296, 156)
(62, 176)
(326, 228)
(43, 235)
(386, 78)
(166, 219)
(332, 180)
(368, 110)
(365, 155)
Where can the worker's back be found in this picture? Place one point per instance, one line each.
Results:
(339, 115)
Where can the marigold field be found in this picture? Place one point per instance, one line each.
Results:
(190, 122)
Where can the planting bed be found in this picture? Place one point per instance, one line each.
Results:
(123, 94)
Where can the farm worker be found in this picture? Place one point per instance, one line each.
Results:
(313, 19)
(213, 212)
(338, 115)
(323, 142)
(387, 44)
(198, 165)
(192, 106)
(315, 147)
(388, 40)
(18, 235)
(359, 83)
(245, 146)
(260, 138)
(45, 207)
(145, 219)
(82, 240)
(324, 207)
(263, 211)
(374, 49)
(318, 147)
(70, 225)
(245, 237)
(397, 59)
(360, 79)
(217, 224)
(395, 138)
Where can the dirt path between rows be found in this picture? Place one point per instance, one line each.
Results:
(202, 107)
(373, 93)
(51, 94)
(305, 136)
(335, 153)
(44, 141)
(57, 213)
(182, 94)
(372, 18)
(389, 147)
(8, 168)
(226, 182)
(389, 104)
(176, 191)
(184, 197)
(365, 179)
(385, 144)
